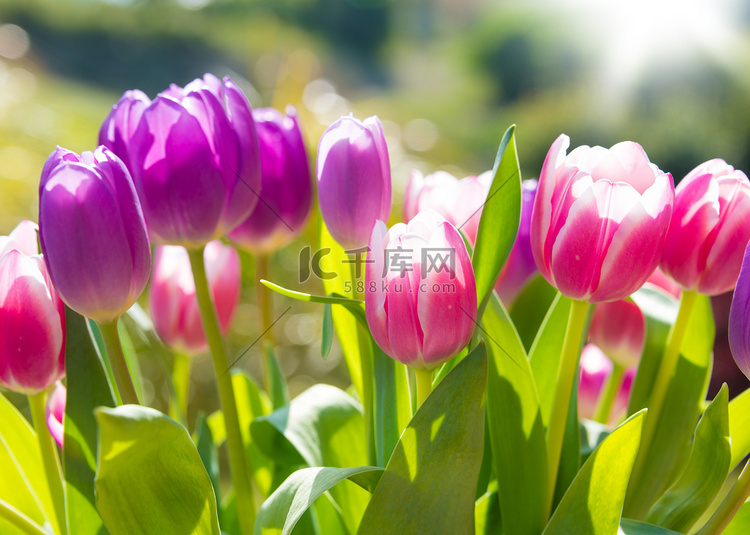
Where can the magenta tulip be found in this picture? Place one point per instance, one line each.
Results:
(194, 158)
(661, 280)
(460, 202)
(618, 328)
(709, 228)
(354, 179)
(593, 374)
(32, 317)
(92, 232)
(600, 219)
(285, 202)
(56, 412)
(173, 304)
(420, 294)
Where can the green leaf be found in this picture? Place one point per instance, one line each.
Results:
(487, 514)
(516, 427)
(150, 478)
(279, 391)
(208, 451)
(391, 402)
(131, 359)
(633, 527)
(706, 471)
(430, 482)
(88, 387)
(740, 524)
(501, 215)
(593, 503)
(355, 306)
(283, 509)
(326, 339)
(530, 308)
(323, 426)
(739, 427)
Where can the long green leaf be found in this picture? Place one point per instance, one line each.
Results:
(740, 524)
(530, 308)
(391, 402)
(593, 503)
(150, 478)
(501, 215)
(516, 427)
(354, 305)
(430, 482)
(633, 527)
(739, 427)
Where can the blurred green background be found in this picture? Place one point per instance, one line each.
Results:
(446, 77)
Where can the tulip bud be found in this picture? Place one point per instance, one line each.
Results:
(354, 179)
(55, 413)
(709, 228)
(460, 202)
(32, 317)
(420, 294)
(287, 186)
(194, 158)
(618, 328)
(173, 304)
(520, 266)
(600, 219)
(739, 318)
(594, 372)
(92, 232)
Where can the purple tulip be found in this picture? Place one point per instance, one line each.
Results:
(194, 158)
(420, 293)
(92, 232)
(739, 318)
(285, 202)
(32, 317)
(354, 179)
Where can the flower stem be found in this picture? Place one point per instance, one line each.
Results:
(637, 504)
(729, 507)
(117, 359)
(50, 458)
(19, 520)
(366, 364)
(265, 304)
(239, 465)
(424, 384)
(181, 382)
(565, 379)
(607, 399)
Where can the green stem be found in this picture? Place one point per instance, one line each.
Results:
(265, 304)
(117, 359)
(729, 507)
(50, 458)
(368, 375)
(638, 504)
(181, 381)
(565, 379)
(19, 520)
(239, 465)
(424, 384)
(607, 399)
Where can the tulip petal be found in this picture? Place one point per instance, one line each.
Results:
(739, 318)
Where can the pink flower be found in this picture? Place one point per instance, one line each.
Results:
(173, 305)
(420, 294)
(709, 228)
(56, 412)
(593, 373)
(460, 202)
(619, 329)
(659, 279)
(600, 219)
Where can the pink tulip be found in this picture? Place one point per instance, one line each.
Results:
(173, 305)
(56, 412)
(420, 294)
(32, 316)
(619, 329)
(460, 202)
(600, 219)
(709, 228)
(660, 280)
(593, 373)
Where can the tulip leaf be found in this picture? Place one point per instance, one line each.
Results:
(323, 426)
(593, 503)
(487, 514)
(739, 427)
(633, 527)
(501, 215)
(131, 359)
(326, 339)
(516, 426)
(706, 471)
(207, 450)
(670, 447)
(88, 387)
(530, 308)
(150, 478)
(740, 524)
(279, 393)
(429, 484)
(391, 402)
(283, 509)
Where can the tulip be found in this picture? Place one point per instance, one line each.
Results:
(173, 304)
(661, 280)
(593, 375)
(520, 266)
(23, 238)
(739, 318)
(56, 413)
(354, 179)
(287, 187)
(32, 317)
(618, 328)
(460, 202)
(92, 233)
(600, 219)
(709, 228)
(194, 158)
(420, 294)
